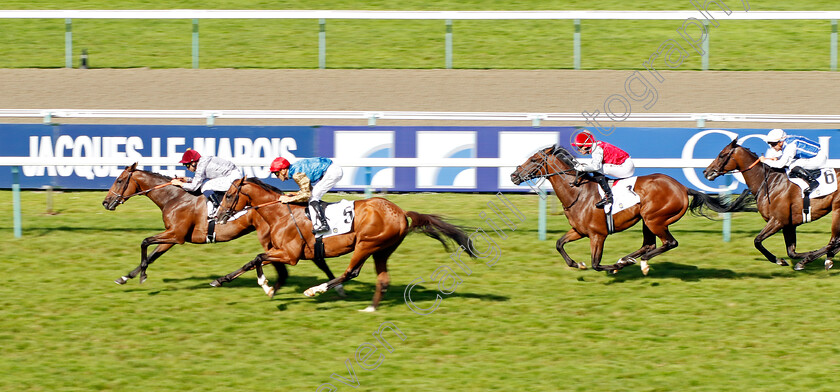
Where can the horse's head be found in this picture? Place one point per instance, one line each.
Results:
(724, 162)
(121, 189)
(235, 200)
(544, 163)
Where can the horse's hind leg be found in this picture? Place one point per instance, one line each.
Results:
(668, 243)
(322, 264)
(648, 244)
(571, 235)
(356, 262)
(383, 280)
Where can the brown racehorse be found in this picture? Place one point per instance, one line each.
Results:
(780, 203)
(663, 202)
(185, 219)
(378, 228)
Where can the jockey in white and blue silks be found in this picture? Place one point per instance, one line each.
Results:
(797, 153)
(212, 174)
(321, 172)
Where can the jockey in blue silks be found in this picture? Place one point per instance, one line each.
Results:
(314, 176)
(798, 153)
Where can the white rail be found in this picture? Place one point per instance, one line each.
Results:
(737, 14)
(372, 116)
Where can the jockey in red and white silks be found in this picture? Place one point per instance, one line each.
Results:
(606, 160)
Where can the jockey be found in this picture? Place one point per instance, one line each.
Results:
(321, 172)
(212, 174)
(607, 160)
(796, 152)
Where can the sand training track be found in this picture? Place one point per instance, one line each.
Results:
(419, 90)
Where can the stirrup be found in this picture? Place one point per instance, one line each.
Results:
(603, 202)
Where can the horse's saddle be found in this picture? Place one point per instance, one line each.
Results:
(339, 216)
(624, 196)
(826, 177)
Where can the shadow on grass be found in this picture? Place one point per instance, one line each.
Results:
(692, 273)
(357, 291)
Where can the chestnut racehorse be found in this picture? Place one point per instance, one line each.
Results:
(663, 202)
(185, 219)
(780, 203)
(378, 228)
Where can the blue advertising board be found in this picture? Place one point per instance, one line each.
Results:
(514, 144)
(133, 141)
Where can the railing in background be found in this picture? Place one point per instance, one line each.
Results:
(536, 119)
(447, 16)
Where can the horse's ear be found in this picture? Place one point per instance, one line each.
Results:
(733, 143)
(132, 167)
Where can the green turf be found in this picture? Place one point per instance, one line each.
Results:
(527, 44)
(711, 316)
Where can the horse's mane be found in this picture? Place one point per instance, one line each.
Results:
(563, 155)
(157, 176)
(266, 187)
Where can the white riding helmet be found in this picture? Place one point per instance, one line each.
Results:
(775, 135)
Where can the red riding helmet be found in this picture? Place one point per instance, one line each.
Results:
(278, 163)
(190, 156)
(584, 139)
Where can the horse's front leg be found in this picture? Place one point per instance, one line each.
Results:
(156, 253)
(773, 226)
(596, 250)
(571, 235)
(339, 288)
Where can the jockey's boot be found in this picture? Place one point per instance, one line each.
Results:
(319, 221)
(605, 185)
(215, 201)
(803, 174)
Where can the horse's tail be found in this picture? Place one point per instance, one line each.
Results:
(700, 200)
(434, 226)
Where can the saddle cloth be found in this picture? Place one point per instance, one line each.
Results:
(339, 216)
(623, 195)
(827, 180)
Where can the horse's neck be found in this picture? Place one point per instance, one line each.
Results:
(161, 197)
(565, 192)
(756, 176)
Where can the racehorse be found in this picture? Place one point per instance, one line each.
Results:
(663, 201)
(378, 228)
(185, 219)
(780, 203)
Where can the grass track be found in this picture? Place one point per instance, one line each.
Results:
(735, 45)
(712, 316)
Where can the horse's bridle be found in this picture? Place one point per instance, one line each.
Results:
(530, 175)
(230, 212)
(122, 199)
(766, 173)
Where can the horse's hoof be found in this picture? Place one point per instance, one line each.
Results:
(799, 266)
(581, 266)
(782, 262)
(216, 283)
(270, 293)
(614, 272)
(312, 291)
(143, 278)
(645, 267)
(828, 264)
(121, 281)
(340, 291)
(369, 309)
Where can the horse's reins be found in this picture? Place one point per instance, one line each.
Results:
(124, 198)
(766, 174)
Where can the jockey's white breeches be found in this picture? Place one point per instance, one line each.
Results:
(331, 177)
(221, 184)
(817, 162)
(623, 170)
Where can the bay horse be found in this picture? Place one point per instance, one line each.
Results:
(780, 203)
(185, 220)
(378, 228)
(663, 202)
